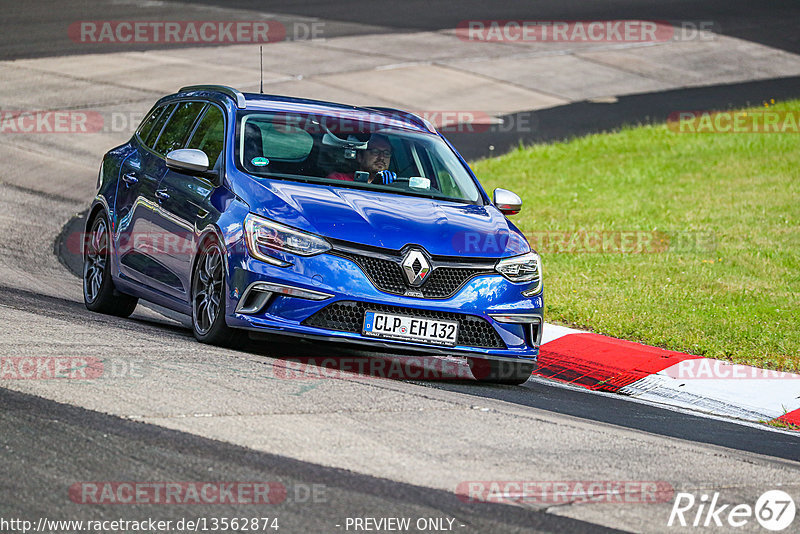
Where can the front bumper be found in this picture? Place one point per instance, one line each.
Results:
(327, 279)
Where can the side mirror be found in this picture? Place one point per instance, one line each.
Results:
(507, 202)
(188, 160)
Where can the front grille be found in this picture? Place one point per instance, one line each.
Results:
(387, 275)
(445, 281)
(348, 316)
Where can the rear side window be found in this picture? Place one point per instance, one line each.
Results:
(178, 127)
(152, 135)
(209, 134)
(147, 124)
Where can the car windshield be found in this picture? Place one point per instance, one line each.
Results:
(349, 152)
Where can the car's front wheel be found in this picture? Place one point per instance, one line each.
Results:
(501, 371)
(208, 297)
(99, 293)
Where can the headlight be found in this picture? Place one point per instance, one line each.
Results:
(525, 268)
(100, 175)
(264, 236)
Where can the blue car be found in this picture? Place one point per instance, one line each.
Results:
(295, 217)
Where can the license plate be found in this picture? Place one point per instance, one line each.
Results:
(393, 326)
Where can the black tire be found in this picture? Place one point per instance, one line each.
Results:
(501, 371)
(208, 299)
(99, 293)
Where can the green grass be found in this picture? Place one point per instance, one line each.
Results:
(777, 423)
(736, 300)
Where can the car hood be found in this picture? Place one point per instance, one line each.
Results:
(386, 220)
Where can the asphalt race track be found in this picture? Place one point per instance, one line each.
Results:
(349, 446)
(77, 444)
(33, 31)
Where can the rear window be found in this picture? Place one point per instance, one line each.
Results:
(150, 121)
(152, 135)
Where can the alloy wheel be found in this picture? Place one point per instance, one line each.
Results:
(95, 259)
(207, 288)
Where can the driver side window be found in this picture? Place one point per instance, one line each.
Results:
(209, 135)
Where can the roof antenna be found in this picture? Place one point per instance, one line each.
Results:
(261, 55)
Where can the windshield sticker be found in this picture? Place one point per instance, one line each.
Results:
(260, 162)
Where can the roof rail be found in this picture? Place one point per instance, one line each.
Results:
(406, 115)
(235, 94)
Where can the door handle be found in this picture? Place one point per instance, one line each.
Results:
(129, 179)
(162, 194)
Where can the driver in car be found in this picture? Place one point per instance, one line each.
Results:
(374, 161)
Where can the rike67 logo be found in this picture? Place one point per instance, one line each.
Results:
(774, 510)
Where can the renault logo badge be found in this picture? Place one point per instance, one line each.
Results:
(416, 268)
